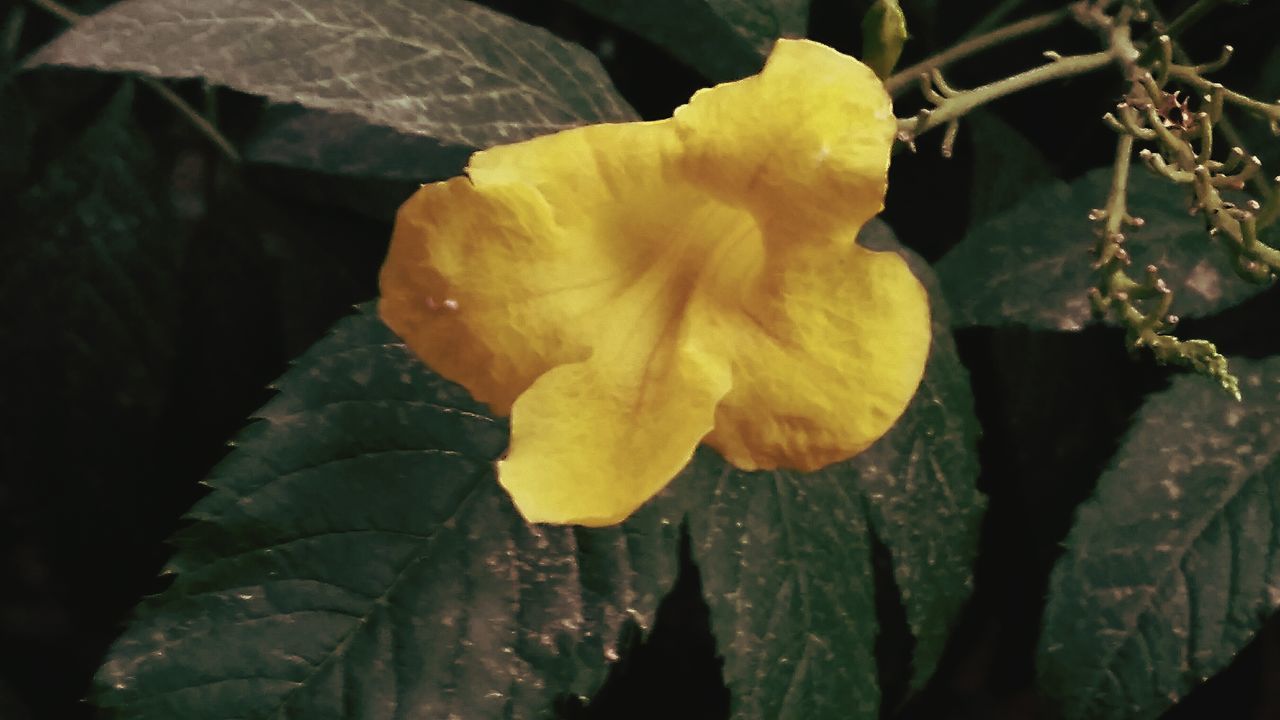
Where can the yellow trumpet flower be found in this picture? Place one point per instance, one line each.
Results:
(628, 291)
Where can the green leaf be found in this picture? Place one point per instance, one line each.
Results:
(88, 278)
(1006, 165)
(356, 553)
(345, 144)
(786, 567)
(1031, 264)
(722, 39)
(921, 480)
(339, 159)
(446, 69)
(785, 557)
(356, 557)
(1175, 561)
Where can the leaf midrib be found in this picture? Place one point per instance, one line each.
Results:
(339, 650)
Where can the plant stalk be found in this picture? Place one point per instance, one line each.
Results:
(900, 81)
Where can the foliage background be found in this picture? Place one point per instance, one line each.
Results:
(150, 291)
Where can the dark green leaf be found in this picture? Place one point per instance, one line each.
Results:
(357, 558)
(447, 69)
(786, 568)
(1006, 165)
(1175, 561)
(356, 553)
(722, 39)
(344, 144)
(89, 291)
(340, 160)
(786, 557)
(1031, 265)
(921, 480)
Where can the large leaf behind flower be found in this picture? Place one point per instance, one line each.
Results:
(786, 557)
(920, 480)
(346, 145)
(722, 39)
(357, 558)
(1030, 265)
(450, 70)
(1175, 561)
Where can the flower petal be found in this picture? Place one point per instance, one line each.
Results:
(823, 365)
(808, 138)
(827, 345)
(489, 278)
(592, 441)
(619, 288)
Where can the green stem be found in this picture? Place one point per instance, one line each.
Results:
(1119, 292)
(1189, 17)
(900, 81)
(1114, 278)
(1244, 246)
(957, 105)
(1259, 183)
(1117, 205)
(1189, 76)
(59, 10)
(197, 120)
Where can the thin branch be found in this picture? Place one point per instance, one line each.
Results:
(59, 10)
(1259, 184)
(1121, 295)
(1143, 306)
(1189, 76)
(900, 81)
(1112, 257)
(192, 115)
(961, 103)
(1253, 259)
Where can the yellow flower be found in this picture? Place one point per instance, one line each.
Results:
(627, 291)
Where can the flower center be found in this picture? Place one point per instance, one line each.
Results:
(690, 246)
(691, 243)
